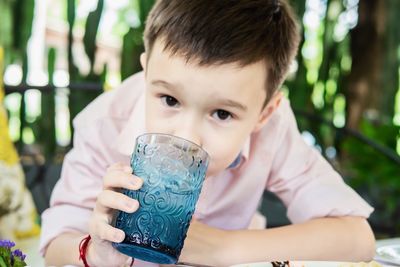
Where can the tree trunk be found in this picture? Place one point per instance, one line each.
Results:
(366, 49)
(389, 80)
(299, 89)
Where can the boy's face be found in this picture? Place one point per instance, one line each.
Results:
(216, 107)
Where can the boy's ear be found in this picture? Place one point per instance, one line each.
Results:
(267, 111)
(143, 61)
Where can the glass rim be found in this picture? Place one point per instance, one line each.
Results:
(203, 151)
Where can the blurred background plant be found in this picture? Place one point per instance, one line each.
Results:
(343, 86)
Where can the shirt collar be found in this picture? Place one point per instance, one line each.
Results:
(242, 157)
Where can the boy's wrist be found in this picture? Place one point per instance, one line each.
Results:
(232, 248)
(83, 246)
(226, 247)
(91, 257)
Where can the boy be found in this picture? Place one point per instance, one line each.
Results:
(211, 74)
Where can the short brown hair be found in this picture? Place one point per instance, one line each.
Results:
(227, 31)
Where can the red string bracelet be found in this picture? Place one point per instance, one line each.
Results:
(83, 245)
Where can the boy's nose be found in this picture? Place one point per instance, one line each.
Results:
(189, 137)
(189, 132)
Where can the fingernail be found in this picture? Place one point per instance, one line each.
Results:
(132, 205)
(119, 236)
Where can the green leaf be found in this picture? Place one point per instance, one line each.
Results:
(6, 27)
(23, 18)
(144, 9)
(91, 28)
(5, 259)
(71, 12)
(132, 48)
(51, 62)
(2, 263)
(72, 69)
(18, 262)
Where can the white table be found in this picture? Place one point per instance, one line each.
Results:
(386, 242)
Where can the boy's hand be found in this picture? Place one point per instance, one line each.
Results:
(204, 245)
(100, 252)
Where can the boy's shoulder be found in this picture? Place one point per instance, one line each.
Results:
(115, 104)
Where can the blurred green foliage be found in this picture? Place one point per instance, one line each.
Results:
(318, 91)
(374, 177)
(15, 29)
(133, 45)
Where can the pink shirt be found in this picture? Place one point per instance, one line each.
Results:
(276, 158)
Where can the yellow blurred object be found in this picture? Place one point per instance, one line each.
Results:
(32, 230)
(17, 211)
(7, 152)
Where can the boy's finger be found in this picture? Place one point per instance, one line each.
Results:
(120, 166)
(114, 200)
(119, 179)
(104, 231)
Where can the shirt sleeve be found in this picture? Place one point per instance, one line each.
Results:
(74, 195)
(305, 181)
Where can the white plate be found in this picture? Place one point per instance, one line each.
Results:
(388, 251)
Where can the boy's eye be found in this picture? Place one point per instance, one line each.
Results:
(169, 100)
(222, 115)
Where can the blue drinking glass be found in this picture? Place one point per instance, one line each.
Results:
(173, 170)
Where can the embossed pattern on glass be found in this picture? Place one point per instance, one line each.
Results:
(173, 170)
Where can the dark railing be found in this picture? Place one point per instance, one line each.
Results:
(21, 88)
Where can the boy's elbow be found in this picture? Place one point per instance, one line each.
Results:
(369, 253)
(364, 239)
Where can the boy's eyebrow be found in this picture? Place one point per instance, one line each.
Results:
(165, 84)
(233, 104)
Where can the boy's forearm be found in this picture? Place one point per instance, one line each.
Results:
(344, 239)
(63, 250)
